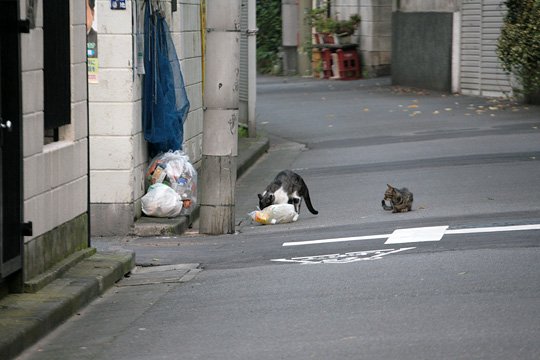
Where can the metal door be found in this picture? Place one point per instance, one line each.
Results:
(11, 241)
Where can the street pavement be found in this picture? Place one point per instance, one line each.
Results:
(456, 278)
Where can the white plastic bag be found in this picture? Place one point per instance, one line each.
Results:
(275, 214)
(161, 201)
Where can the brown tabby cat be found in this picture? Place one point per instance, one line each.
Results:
(400, 199)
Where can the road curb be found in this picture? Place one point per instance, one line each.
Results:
(27, 317)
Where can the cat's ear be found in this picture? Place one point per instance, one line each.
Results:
(260, 196)
(389, 186)
(272, 197)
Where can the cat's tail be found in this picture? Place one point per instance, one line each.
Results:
(386, 207)
(308, 202)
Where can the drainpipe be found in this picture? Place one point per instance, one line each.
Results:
(252, 67)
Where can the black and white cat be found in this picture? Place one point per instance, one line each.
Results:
(287, 188)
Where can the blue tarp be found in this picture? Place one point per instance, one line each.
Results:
(165, 102)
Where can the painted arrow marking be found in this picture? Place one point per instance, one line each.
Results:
(343, 258)
(432, 233)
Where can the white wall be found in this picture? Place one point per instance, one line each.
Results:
(118, 151)
(55, 175)
(185, 26)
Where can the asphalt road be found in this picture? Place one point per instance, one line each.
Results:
(456, 278)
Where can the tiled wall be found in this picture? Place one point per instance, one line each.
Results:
(55, 175)
(186, 32)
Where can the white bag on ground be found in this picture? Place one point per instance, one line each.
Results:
(275, 214)
(161, 201)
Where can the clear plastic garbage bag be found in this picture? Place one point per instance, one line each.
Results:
(275, 214)
(161, 201)
(174, 170)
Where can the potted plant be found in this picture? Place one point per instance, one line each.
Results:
(331, 30)
(343, 29)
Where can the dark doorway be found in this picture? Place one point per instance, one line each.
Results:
(11, 241)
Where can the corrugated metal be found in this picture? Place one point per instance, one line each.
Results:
(481, 73)
(243, 86)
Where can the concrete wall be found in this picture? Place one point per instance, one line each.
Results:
(119, 156)
(56, 174)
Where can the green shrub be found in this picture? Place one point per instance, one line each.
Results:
(269, 35)
(518, 46)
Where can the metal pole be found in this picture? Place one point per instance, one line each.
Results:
(220, 124)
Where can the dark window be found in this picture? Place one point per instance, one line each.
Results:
(57, 66)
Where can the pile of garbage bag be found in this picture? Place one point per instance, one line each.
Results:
(171, 183)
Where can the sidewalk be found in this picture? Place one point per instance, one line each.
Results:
(27, 317)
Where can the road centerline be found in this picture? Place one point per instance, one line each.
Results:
(493, 229)
(326, 241)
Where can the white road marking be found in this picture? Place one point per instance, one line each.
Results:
(493, 229)
(402, 236)
(324, 241)
(433, 233)
(343, 258)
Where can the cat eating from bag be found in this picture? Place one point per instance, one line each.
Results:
(400, 199)
(287, 188)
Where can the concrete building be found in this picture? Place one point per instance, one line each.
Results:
(449, 45)
(73, 153)
(119, 156)
(445, 45)
(44, 152)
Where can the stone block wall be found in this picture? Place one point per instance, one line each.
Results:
(56, 174)
(118, 151)
(375, 32)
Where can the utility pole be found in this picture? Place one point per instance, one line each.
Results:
(220, 124)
